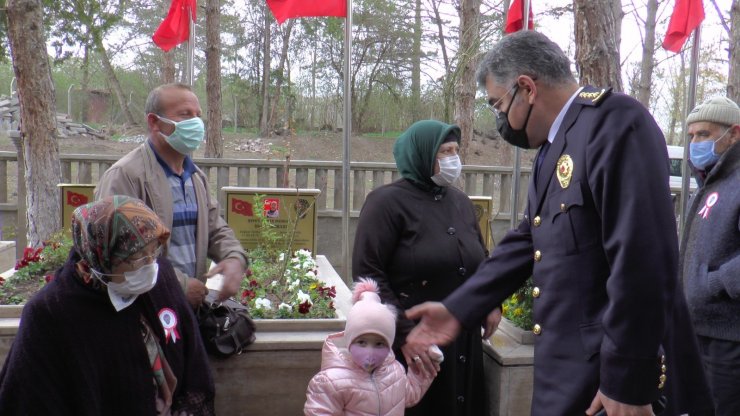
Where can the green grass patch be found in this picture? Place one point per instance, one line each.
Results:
(240, 130)
(393, 134)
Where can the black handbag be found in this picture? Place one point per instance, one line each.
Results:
(226, 327)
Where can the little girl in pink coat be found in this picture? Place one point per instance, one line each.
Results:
(359, 372)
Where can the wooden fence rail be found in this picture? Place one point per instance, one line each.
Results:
(493, 181)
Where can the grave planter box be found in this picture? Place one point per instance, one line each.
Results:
(508, 360)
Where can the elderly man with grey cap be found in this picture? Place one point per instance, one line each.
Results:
(710, 249)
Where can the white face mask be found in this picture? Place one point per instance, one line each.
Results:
(136, 282)
(449, 170)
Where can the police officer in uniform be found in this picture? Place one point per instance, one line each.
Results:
(598, 237)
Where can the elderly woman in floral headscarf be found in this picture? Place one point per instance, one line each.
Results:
(112, 334)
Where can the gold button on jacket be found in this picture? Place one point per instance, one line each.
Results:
(537, 329)
(536, 292)
(537, 255)
(537, 221)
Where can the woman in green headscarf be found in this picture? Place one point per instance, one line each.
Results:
(419, 238)
(112, 334)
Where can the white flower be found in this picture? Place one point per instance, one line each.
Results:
(304, 297)
(274, 283)
(303, 253)
(285, 306)
(294, 284)
(262, 303)
(310, 273)
(281, 257)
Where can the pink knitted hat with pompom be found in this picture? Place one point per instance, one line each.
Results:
(368, 315)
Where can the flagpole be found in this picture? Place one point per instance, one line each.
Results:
(345, 145)
(690, 103)
(517, 169)
(191, 48)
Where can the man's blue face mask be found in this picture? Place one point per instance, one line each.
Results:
(702, 154)
(188, 134)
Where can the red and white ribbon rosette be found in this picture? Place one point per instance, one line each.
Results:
(168, 318)
(708, 204)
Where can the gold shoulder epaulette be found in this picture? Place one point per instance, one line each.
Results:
(593, 96)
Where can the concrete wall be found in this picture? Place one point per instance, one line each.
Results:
(509, 370)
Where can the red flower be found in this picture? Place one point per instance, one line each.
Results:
(249, 273)
(49, 278)
(304, 307)
(248, 294)
(2, 281)
(328, 291)
(30, 255)
(253, 283)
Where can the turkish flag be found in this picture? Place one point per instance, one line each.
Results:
(241, 207)
(687, 15)
(74, 199)
(175, 28)
(286, 9)
(515, 17)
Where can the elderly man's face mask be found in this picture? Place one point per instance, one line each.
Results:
(188, 134)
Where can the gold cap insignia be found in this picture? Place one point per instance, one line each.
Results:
(564, 170)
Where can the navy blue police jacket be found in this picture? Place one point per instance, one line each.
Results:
(599, 240)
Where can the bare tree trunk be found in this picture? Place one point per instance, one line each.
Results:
(281, 70)
(215, 143)
(38, 118)
(312, 113)
(113, 80)
(416, 64)
(468, 58)
(647, 65)
(618, 15)
(168, 67)
(265, 119)
(167, 72)
(733, 80)
(85, 83)
(597, 53)
(447, 82)
(678, 96)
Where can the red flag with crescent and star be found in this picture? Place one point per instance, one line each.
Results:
(687, 15)
(241, 207)
(515, 17)
(74, 199)
(286, 9)
(175, 28)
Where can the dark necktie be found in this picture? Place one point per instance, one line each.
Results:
(540, 158)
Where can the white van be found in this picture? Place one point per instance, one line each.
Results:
(675, 156)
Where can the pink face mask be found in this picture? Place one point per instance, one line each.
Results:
(368, 357)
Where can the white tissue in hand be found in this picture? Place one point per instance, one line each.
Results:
(215, 282)
(436, 354)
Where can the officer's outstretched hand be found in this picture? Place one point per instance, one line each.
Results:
(615, 408)
(438, 326)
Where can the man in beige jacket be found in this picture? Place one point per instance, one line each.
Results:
(161, 173)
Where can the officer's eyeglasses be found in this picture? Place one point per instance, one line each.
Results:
(494, 106)
(141, 261)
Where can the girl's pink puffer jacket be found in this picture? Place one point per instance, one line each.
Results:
(343, 388)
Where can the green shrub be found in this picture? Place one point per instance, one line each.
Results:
(518, 307)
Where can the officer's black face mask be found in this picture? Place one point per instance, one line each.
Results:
(514, 137)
